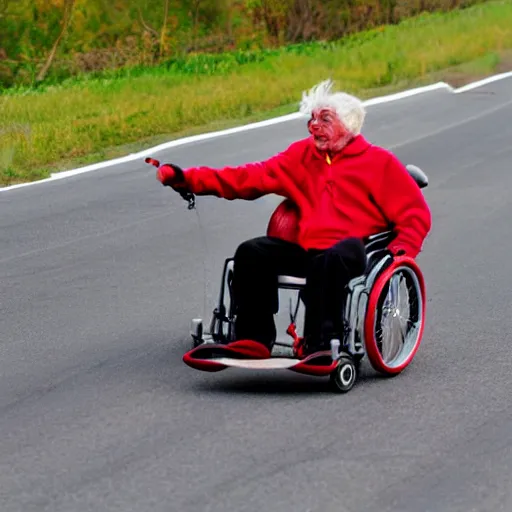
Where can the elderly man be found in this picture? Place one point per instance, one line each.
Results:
(344, 189)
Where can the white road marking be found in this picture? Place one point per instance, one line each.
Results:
(283, 119)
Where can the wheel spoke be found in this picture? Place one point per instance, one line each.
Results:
(404, 310)
(389, 314)
(395, 320)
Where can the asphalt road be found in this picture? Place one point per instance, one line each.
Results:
(101, 273)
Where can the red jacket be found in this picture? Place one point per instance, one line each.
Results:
(335, 199)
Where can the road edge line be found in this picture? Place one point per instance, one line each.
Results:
(379, 100)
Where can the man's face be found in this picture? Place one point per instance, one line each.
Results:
(327, 130)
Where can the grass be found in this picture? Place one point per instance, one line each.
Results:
(93, 118)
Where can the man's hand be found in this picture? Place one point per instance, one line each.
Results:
(171, 175)
(397, 251)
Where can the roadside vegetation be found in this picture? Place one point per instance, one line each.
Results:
(73, 117)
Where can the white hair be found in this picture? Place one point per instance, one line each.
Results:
(349, 109)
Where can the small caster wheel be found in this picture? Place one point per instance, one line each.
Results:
(196, 331)
(344, 376)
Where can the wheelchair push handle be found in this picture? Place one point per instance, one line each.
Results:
(182, 191)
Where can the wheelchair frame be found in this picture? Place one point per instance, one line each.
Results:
(361, 304)
(358, 290)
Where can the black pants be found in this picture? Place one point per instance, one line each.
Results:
(259, 261)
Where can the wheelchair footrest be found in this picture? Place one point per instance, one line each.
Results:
(217, 357)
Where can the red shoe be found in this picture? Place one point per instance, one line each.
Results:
(253, 349)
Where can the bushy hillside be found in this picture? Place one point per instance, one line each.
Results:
(51, 40)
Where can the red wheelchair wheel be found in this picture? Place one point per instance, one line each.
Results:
(391, 339)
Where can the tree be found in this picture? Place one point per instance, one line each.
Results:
(66, 17)
(164, 27)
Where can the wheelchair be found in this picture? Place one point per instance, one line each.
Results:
(376, 303)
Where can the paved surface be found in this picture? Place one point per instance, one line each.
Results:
(101, 273)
